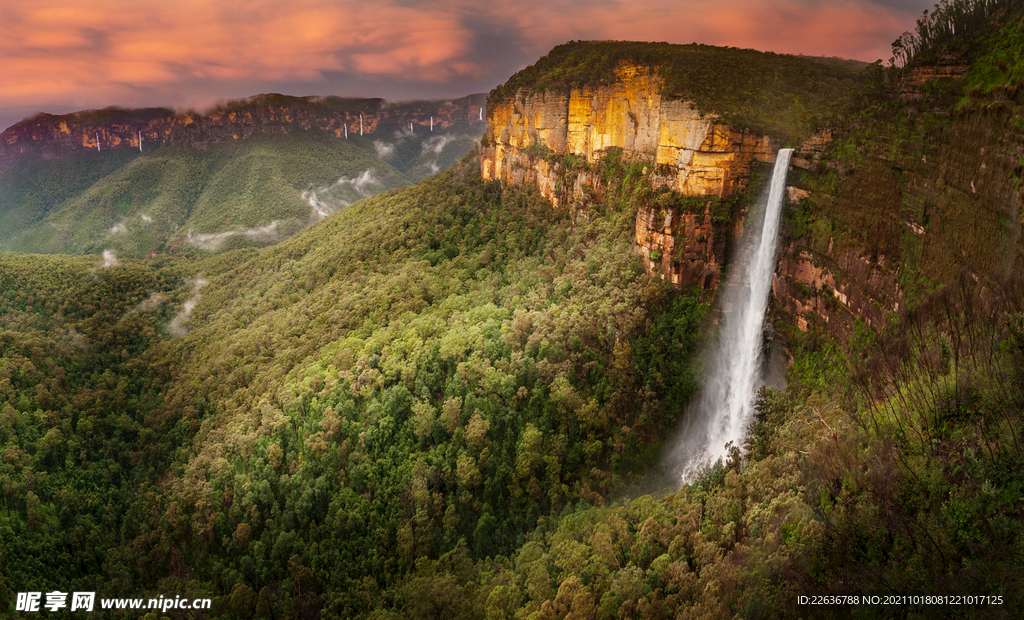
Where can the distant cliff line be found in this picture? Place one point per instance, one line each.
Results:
(117, 128)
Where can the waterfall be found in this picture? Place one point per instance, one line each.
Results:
(724, 409)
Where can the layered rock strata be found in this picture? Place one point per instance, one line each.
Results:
(835, 289)
(696, 154)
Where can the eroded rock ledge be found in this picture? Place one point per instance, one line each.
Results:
(692, 153)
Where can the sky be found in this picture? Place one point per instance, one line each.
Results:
(59, 56)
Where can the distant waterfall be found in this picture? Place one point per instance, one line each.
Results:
(725, 408)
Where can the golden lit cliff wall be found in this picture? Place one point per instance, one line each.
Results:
(704, 156)
(692, 153)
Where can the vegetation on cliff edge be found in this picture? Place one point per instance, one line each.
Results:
(787, 97)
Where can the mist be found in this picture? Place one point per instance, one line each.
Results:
(109, 259)
(327, 199)
(213, 241)
(177, 324)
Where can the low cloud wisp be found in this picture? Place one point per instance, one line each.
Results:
(109, 259)
(384, 150)
(213, 241)
(327, 199)
(437, 143)
(177, 324)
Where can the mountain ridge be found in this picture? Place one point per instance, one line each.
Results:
(121, 128)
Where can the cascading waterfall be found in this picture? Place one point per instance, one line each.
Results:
(724, 409)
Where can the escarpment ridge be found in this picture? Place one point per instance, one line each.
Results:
(119, 128)
(881, 209)
(654, 105)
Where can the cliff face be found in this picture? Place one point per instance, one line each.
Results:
(697, 155)
(836, 288)
(53, 136)
(692, 153)
(836, 285)
(947, 67)
(913, 200)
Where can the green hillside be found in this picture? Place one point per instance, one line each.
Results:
(456, 337)
(230, 194)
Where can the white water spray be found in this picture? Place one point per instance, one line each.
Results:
(726, 405)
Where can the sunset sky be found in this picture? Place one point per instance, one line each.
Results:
(62, 55)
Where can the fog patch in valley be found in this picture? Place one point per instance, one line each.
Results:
(177, 324)
(327, 199)
(213, 241)
(109, 259)
(384, 150)
(152, 303)
(436, 144)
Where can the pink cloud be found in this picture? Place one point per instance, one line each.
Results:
(111, 46)
(69, 52)
(851, 29)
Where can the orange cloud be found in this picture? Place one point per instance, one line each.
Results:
(113, 46)
(101, 52)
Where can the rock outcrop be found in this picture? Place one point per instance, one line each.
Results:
(835, 289)
(696, 154)
(692, 153)
(947, 67)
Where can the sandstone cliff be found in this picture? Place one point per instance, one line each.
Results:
(112, 128)
(692, 153)
(696, 153)
(911, 199)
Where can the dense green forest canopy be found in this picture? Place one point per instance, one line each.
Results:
(457, 337)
